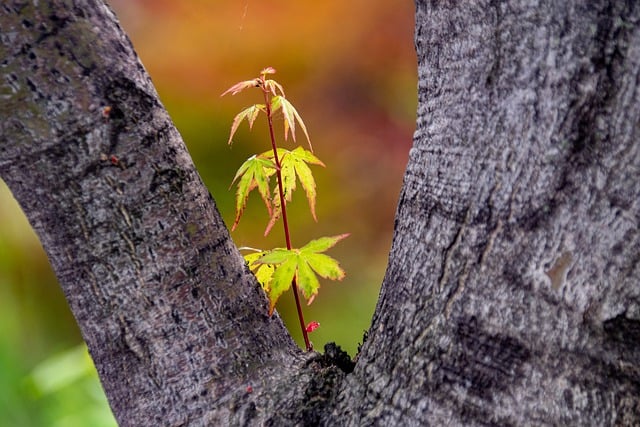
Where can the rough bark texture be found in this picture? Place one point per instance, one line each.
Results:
(512, 295)
(176, 325)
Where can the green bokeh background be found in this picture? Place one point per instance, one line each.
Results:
(348, 67)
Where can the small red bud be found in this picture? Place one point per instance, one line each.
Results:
(312, 326)
(249, 389)
(114, 160)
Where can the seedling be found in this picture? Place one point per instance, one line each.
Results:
(282, 268)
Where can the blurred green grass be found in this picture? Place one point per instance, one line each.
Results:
(349, 68)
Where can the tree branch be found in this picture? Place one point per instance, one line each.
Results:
(177, 326)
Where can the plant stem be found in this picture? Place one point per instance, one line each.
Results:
(283, 205)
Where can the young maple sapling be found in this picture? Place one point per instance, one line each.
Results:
(282, 268)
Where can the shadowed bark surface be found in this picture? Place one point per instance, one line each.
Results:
(512, 295)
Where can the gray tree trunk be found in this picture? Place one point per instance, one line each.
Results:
(512, 295)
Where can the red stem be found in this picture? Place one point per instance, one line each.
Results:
(294, 285)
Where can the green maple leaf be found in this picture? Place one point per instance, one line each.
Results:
(303, 265)
(294, 167)
(254, 173)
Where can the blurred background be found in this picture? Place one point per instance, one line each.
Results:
(349, 69)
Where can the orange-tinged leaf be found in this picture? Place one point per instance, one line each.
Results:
(272, 85)
(250, 113)
(291, 115)
(240, 86)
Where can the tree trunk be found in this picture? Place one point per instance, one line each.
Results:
(176, 325)
(512, 294)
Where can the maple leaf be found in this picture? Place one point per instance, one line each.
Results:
(294, 167)
(255, 172)
(268, 70)
(291, 115)
(303, 265)
(240, 86)
(263, 272)
(276, 211)
(272, 85)
(250, 113)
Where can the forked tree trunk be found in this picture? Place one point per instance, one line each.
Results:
(512, 295)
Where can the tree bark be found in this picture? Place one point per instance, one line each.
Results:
(176, 325)
(512, 294)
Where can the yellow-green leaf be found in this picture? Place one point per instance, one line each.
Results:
(307, 156)
(306, 179)
(304, 265)
(307, 280)
(325, 266)
(294, 163)
(282, 279)
(263, 272)
(288, 174)
(254, 172)
(274, 256)
(323, 244)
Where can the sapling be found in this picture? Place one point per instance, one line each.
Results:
(282, 268)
